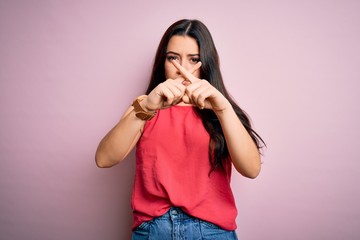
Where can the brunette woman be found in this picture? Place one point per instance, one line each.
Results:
(188, 134)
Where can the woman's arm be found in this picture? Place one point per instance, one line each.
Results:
(242, 149)
(118, 143)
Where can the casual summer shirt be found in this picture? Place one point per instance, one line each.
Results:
(173, 169)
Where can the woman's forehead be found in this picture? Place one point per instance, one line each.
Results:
(183, 44)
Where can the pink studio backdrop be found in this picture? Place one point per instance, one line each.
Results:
(68, 70)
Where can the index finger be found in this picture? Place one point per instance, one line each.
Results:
(185, 73)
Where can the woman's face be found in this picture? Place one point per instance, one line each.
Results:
(185, 51)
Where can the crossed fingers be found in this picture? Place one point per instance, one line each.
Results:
(197, 93)
(188, 75)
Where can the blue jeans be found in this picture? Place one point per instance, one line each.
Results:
(177, 225)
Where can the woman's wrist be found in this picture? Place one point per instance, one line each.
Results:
(144, 105)
(224, 109)
(141, 111)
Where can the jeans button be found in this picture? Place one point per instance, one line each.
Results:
(174, 212)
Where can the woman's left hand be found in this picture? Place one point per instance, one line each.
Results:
(200, 92)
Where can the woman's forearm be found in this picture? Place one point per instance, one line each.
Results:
(117, 144)
(242, 149)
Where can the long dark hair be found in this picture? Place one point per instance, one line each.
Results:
(210, 70)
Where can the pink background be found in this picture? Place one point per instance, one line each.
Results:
(69, 69)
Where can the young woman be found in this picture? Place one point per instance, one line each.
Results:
(188, 134)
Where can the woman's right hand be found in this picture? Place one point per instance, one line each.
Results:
(165, 94)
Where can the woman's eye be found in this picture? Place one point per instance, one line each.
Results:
(172, 58)
(195, 60)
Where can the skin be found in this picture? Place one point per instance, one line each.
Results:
(182, 87)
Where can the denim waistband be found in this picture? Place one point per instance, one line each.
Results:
(176, 213)
(176, 224)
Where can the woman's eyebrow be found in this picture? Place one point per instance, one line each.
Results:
(171, 52)
(175, 53)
